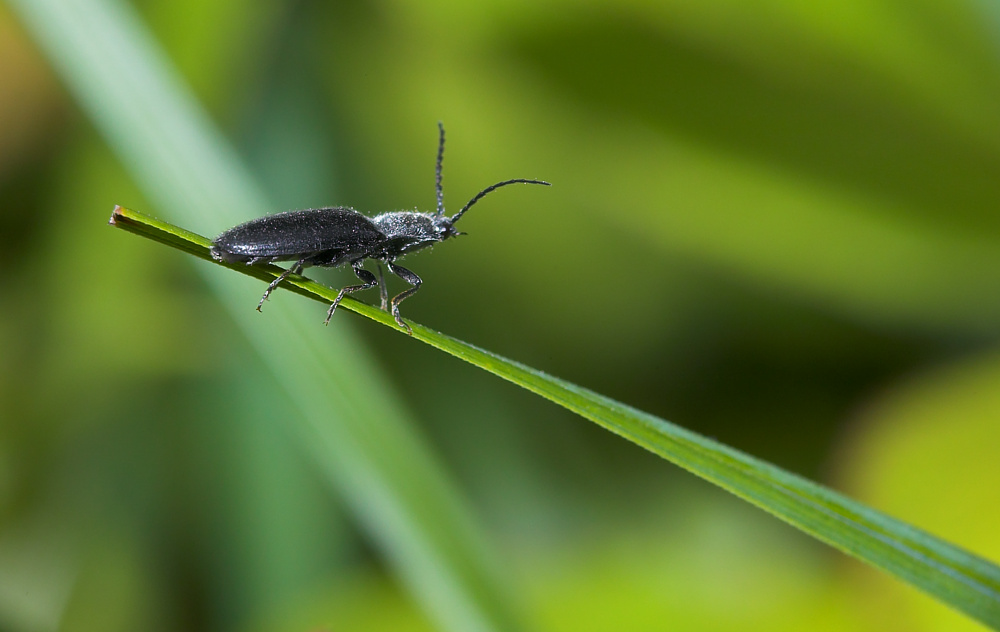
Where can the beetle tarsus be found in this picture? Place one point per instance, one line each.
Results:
(401, 323)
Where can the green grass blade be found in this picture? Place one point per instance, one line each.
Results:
(961, 579)
(351, 424)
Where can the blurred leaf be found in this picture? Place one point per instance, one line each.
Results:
(363, 602)
(783, 145)
(869, 141)
(926, 451)
(351, 425)
(836, 154)
(967, 582)
(683, 566)
(37, 573)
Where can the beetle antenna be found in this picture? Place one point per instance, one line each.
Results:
(437, 171)
(481, 194)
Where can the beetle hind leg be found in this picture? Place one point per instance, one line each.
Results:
(369, 282)
(295, 269)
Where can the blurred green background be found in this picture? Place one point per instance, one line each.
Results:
(773, 223)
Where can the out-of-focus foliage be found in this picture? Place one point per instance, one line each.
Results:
(774, 223)
(925, 453)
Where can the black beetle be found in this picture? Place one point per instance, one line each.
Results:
(334, 236)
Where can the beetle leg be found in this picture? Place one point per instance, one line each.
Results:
(413, 280)
(369, 282)
(383, 290)
(295, 269)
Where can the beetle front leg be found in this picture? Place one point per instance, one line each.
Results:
(369, 282)
(413, 280)
(295, 269)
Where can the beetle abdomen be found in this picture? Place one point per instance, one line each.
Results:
(291, 235)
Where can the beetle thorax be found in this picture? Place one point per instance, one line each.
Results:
(411, 225)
